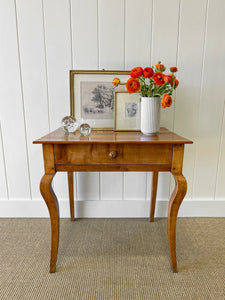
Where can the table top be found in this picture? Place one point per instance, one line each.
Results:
(122, 137)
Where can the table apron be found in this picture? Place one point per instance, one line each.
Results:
(113, 168)
(113, 154)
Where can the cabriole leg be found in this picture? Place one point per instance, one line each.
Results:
(53, 208)
(174, 204)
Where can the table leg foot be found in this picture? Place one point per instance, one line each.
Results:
(53, 208)
(174, 204)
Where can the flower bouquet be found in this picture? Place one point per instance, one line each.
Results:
(155, 88)
(152, 82)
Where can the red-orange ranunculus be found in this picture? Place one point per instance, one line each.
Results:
(133, 85)
(166, 101)
(173, 69)
(160, 67)
(163, 104)
(148, 72)
(158, 78)
(175, 83)
(136, 72)
(116, 81)
(167, 78)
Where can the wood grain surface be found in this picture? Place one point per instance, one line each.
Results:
(163, 137)
(112, 151)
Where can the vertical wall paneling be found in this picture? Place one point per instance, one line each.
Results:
(138, 30)
(11, 106)
(84, 20)
(166, 15)
(88, 186)
(138, 33)
(111, 57)
(58, 58)
(111, 185)
(58, 64)
(190, 63)
(211, 114)
(135, 186)
(164, 44)
(3, 176)
(111, 34)
(34, 81)
(41, 40)
(84, 23)
(220, 186)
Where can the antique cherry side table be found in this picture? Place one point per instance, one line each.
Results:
(113, 151)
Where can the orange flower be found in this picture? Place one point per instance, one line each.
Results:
(166, 101)
(133, 85)
(116, 81)
(160, 67)
(136, 72)
(158, 78)
(163, 104)
(174, 83)
(167, 78)
(173, 69)
(148, 72)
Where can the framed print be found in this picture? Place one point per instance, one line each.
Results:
(92, 96)
(127, 111)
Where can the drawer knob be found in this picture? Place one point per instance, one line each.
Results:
(113, 154)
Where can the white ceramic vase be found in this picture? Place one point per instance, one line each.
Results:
(150, 115)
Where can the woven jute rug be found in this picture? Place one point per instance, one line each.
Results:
(112, 259)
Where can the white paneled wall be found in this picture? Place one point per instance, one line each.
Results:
(41, 40)
(191, 49)
(58, 47)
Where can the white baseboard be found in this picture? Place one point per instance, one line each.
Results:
(110, 209)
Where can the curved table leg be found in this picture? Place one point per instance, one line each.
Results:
(53, 208)
(174, 204)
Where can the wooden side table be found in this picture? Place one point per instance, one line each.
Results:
(113, 151)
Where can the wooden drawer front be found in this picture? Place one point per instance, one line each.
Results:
(112, 154)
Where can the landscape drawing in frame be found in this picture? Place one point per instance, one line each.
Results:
(92, 96)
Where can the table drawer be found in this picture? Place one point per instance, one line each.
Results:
(87, 154)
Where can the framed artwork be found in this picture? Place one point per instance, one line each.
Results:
(127, 111)
(92, 96)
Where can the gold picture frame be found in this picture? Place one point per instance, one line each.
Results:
(127, 114)
(92, 96)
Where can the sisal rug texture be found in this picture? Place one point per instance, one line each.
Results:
(112, 259)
